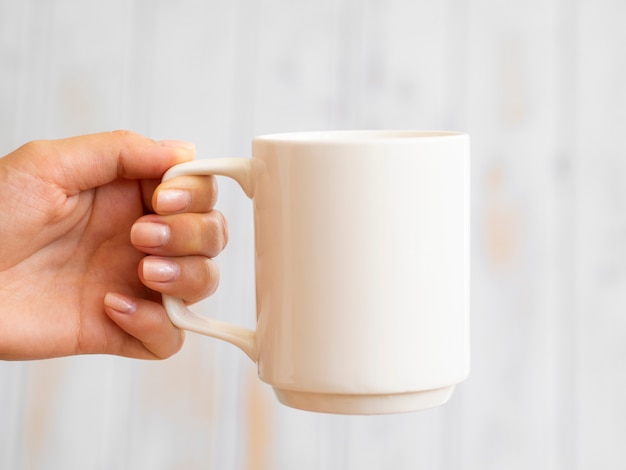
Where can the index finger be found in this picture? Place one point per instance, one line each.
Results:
(185, 194)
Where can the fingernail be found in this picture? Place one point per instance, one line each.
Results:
(160, 270)
(120, 303)
(177, 144)
(173, 200)
(149, 234)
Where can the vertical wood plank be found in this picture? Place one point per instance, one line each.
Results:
(87, 59)
(32, 70)
(565, 194)
(601, 282)
(509, 398)
(400, 78)
(12, 45)
(540, 87)
(292, 66)
(13, 382)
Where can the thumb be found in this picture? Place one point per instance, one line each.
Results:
(80, 163)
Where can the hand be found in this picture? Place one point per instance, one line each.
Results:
(77, 218)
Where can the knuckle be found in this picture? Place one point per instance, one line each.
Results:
(35, 148)
(202, 279)
(123, 133)
(213, 278)
(217, 233)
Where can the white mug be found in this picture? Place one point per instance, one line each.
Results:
(362, 267)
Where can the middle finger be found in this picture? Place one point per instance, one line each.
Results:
(185, 234)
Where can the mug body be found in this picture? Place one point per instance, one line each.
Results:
(362, 268)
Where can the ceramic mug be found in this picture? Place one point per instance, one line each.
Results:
(362, 267)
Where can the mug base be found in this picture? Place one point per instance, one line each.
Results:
(364, 404)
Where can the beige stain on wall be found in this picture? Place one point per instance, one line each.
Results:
(502, 222)
(258, 421)
(513, 85)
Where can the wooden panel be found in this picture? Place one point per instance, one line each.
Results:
(539, 86)
(601, 292)
(12, 39)
(509, 399)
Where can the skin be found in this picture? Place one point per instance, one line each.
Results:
(89, 239)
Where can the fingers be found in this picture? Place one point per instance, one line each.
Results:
(151, 335)
(190, 278)
(182, 237)
(181, 234)
(187, 225)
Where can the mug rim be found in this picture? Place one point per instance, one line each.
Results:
(359, 136)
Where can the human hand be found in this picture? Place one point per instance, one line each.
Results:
(77, 218)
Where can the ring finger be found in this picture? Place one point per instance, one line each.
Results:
(190, 278)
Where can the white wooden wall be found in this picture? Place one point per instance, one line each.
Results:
(541, 87)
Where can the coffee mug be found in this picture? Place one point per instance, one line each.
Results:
(362, 263)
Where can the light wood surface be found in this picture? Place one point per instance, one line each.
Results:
(541, 87)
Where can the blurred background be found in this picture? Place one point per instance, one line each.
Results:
(541, 87)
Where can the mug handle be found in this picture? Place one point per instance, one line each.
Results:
(239, 169)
